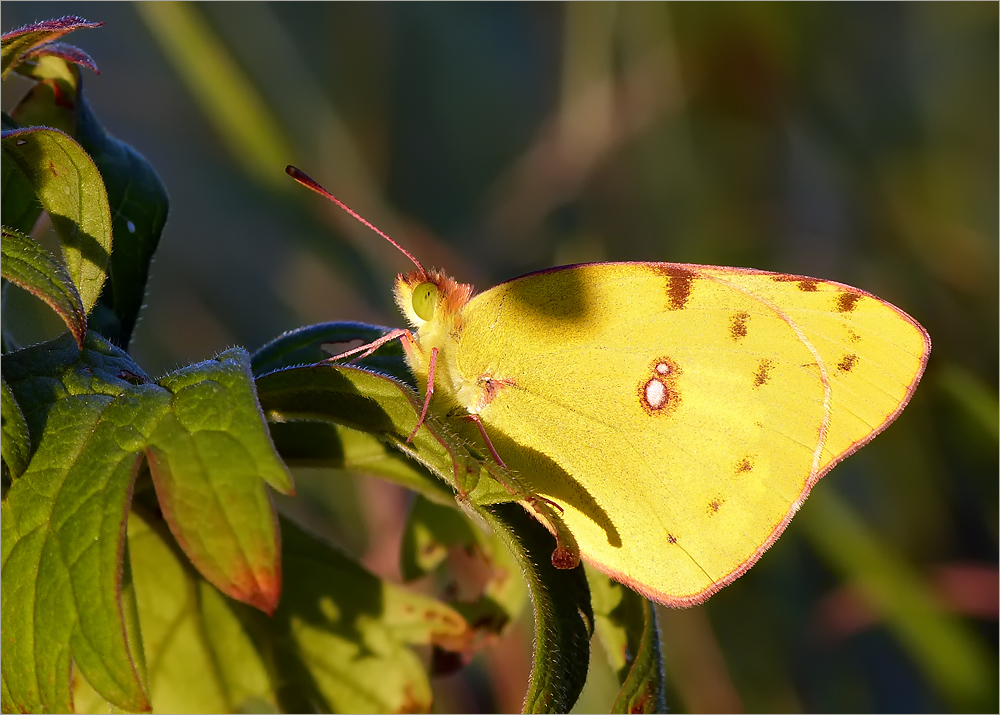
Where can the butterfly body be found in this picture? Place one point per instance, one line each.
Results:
(677, 414)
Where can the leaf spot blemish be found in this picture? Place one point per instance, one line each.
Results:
(52, 168)
(847, 363)
(738, 325)
(763, 373)
(847, 301)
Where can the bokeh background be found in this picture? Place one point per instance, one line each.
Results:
(855, 142)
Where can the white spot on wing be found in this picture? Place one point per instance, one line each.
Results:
(662, 368)
(656, 393)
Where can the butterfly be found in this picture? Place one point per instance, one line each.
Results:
(676, 415)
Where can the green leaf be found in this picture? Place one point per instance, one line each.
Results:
(564, 619)
(139, 208)
(303, 443)
(305, 346)
(495, 593)
(28, 265)
(16, 444)
(137, 199)
(201, 657)
(626, 624)
(431, 530)
(340, 640)
(18, 42)
(388, 409)
(63, 527)
(379, 405)
(71, 190)
(18, 203)
(341, 636)
(92, 414)
(207, 457)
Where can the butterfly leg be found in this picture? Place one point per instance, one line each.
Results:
(430, 391)
(369, 348)
(486, 437)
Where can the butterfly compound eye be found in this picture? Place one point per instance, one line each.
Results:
(425, 298)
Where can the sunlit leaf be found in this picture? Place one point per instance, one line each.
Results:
(208, 456)
(64, 523)
(16, 444)
(28, 265)
(70, 189)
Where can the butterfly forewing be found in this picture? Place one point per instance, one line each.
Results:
(679, 414)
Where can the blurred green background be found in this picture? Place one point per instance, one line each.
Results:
(854, 142)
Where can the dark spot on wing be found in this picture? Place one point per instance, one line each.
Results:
(852, 336)
(713, 506)
(847, 363)
(847, 301)
(808, 285)
(738, 325)
(671, 539)
(678, 285)
(744, 465)
(763, 373)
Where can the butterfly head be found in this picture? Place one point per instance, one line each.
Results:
(431, 297)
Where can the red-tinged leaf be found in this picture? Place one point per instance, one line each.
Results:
(63, 51)
(15, 444)
(207, 457)
(53, 100)
(22, 40)
(28, 265)
(70, 189)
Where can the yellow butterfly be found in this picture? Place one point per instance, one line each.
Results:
(677, 415)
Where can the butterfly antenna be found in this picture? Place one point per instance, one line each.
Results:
(301, 177)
